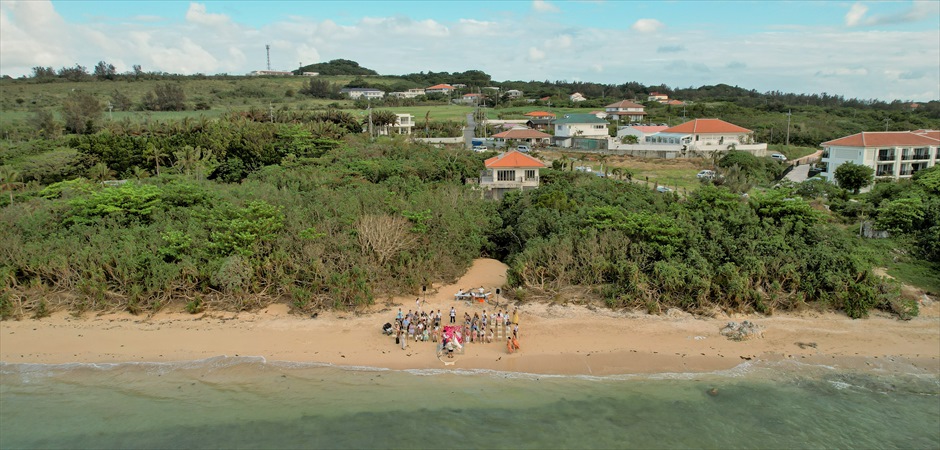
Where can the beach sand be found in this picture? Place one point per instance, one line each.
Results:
(554, 338)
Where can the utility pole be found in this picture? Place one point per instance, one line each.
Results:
(371, 136)
(887, 120)
(271, 111)
(110, 108)
(788, 127)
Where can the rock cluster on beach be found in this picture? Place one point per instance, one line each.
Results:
(743, 331)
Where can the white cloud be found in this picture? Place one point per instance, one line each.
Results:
(197, 14)
(544, 7)
(788, 59)
(536, 54)
(855, 14)
(647, 26)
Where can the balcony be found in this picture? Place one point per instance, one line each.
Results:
(886, 157)
(519, 182)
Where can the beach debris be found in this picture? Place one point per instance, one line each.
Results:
(806, 344)
(713, 392)
(743, 331)
(699, 338)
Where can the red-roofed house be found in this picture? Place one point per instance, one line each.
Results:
(523, 135)
(640, 131)
(540, 115)
(439, 89)
(510, 171)
(471, 99)
(625, 110)
(892, 154)
(705, 135)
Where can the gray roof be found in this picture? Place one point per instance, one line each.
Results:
(579, 118)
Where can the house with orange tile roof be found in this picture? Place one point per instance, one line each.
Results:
(472, 98)
(510, 171)
(892, 154)
(625, 110)
(540, 115)
(523, 136)
(707, 135)
(440, 89)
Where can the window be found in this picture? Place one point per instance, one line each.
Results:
(599, 127)
(907, 153)
(922, 153)
(530, 174)
(506, 175)
(886, 154)
(885, 170)
(906, 169)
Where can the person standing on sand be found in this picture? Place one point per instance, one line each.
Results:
(453, 315)
(515, 316)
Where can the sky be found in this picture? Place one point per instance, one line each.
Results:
(869, 50)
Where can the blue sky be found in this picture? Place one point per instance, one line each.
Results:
(885, 50)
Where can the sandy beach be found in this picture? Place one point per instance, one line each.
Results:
(555, 338)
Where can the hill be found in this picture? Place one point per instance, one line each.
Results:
(337, 67)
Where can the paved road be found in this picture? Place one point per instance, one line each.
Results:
(799, 173)
(469, 131)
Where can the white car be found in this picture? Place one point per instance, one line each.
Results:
(706, 175)
(523, 148)
(778, 156)
(663, 189)
(480, 148)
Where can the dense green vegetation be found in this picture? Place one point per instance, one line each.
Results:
(266, 194)
(336, 230)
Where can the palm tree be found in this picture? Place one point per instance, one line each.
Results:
(187, 158)
(10, 180)
(156, 154)
(140, 173)
(617, 172)
(100, 172)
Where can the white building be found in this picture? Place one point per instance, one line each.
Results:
(626, 110)
(640, 131)
(576, 97)
(510, 171)
(367, 93)
(440, 89)
(708, 135)
(403, 125)
(410, 93)
(572, 126)
(514, 93)
(892, 154)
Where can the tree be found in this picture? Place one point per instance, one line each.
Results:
(156, 154)
(77, 73)
(100, 172)
(10, 180)
(82, 112)
(120, 101)
(40, 72)
(318, 88)
(44, 122)
(381, 119)
(165, 97)
(853, 176)
(105, 71)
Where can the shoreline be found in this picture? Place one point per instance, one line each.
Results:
(555, 339)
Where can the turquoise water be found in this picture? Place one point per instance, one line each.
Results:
(249, 403)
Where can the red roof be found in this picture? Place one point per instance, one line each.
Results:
(883, 139)
(675, 102)
(522, 133)
(513, 159)
(440, 86)
(472, 95)
(705, 126)
(624, 104)
(649, 128)
(539, 114)
(929, 133)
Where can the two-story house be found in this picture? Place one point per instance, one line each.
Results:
(445, 89)
(367, 93)
(892, 154)
(625, 110)
(509, 171)
(571, 126)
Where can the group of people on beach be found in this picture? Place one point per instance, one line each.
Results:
(424, 326)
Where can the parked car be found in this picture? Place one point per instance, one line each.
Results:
(524, 148)
(480, 148)
(706, 175)
(778, 156)
(663, 189)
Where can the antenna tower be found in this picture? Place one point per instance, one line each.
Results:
(267, 48)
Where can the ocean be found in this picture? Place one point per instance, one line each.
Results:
(246, 402)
